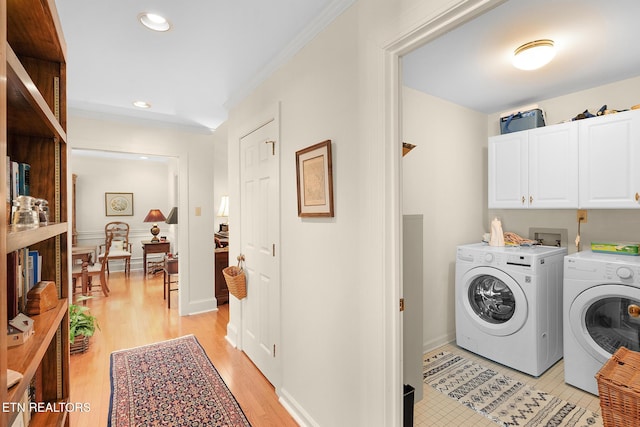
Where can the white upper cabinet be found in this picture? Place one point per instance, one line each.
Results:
(610, 161)
(508, 171)
(537, 168)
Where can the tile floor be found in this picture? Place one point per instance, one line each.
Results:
(438, 410)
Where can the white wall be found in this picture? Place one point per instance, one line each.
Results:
(340, 276)
(322, 349)
(148, 181)
(220, 170)
(444, 179)
(194, 152)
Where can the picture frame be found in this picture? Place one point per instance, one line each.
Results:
(118, 204)
(314, 178)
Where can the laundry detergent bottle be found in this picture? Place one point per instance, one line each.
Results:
(497, 235)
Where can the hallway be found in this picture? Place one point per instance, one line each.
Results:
(135, 314)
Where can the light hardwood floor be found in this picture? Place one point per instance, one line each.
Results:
(135, 314)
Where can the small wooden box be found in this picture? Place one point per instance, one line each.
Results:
(42, 297)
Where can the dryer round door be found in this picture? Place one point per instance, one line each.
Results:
(493, 301)
(606, 317)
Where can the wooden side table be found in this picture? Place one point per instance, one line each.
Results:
(222, 261)
(170, 268)
(149, 247)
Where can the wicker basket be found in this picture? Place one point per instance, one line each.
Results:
(80, 344)
(236, 280)
(619, 389)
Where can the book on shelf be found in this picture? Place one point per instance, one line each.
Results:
(12, 285)
(35, 268)
(24, 179)
(15, 174)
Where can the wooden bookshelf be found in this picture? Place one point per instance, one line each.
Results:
(33, 121)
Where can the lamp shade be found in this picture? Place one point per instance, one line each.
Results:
(173, 216)
(154, 215)
(224, 206)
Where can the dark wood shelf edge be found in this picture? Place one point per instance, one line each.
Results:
(33, 350)
(17, 75)
(22, 239)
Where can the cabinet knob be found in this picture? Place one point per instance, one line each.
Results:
(633, 310)
(530, 200)
(523, 199)
(637, 197)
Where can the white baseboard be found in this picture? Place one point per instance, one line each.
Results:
(434, 343)
(295, 410)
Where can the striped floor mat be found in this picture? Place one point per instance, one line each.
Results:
(504, 400)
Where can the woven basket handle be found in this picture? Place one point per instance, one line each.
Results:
(240, 260)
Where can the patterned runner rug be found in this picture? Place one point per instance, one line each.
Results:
(501, 399)
(170, 383)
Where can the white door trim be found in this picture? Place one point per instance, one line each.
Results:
(412, 36)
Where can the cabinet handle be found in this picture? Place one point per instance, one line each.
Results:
(637, 197)
(530, 200)
(523, 199)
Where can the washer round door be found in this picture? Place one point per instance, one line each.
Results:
(493, 301)
(605, 318)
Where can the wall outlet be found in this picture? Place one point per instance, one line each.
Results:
(582, 215)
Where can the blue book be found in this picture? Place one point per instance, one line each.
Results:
(34, 268)
(24, 179)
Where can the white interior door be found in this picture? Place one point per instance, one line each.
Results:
(260, 231)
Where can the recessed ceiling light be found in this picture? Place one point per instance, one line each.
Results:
(154, 21)
(141, 104)
(533, 55)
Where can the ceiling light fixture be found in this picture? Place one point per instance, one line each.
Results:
(533, 55)
(154, 21)
(141, 104)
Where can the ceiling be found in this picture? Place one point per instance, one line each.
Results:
(218, 51)
(471, 65)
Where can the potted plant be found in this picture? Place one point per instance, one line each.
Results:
(82, 325)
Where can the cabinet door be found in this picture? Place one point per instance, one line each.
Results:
(609, 159)
(508, 171)
(553, 167)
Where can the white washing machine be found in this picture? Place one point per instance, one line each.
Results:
(509, 304)
(601, 307)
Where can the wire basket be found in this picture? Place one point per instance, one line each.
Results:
(236, 279)
(619, 389)
(80, 344)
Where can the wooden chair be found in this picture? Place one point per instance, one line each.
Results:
(92, 269)
(120, 248)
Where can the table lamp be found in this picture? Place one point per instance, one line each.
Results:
(173, 216)
(224, 212)
(155, 216)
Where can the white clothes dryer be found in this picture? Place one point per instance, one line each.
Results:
(601, 309)
(509, 304)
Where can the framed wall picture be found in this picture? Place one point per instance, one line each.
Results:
(315, 180)
(118, 204)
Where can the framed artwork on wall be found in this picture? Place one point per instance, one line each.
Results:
(315, 180)
(118, 204)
